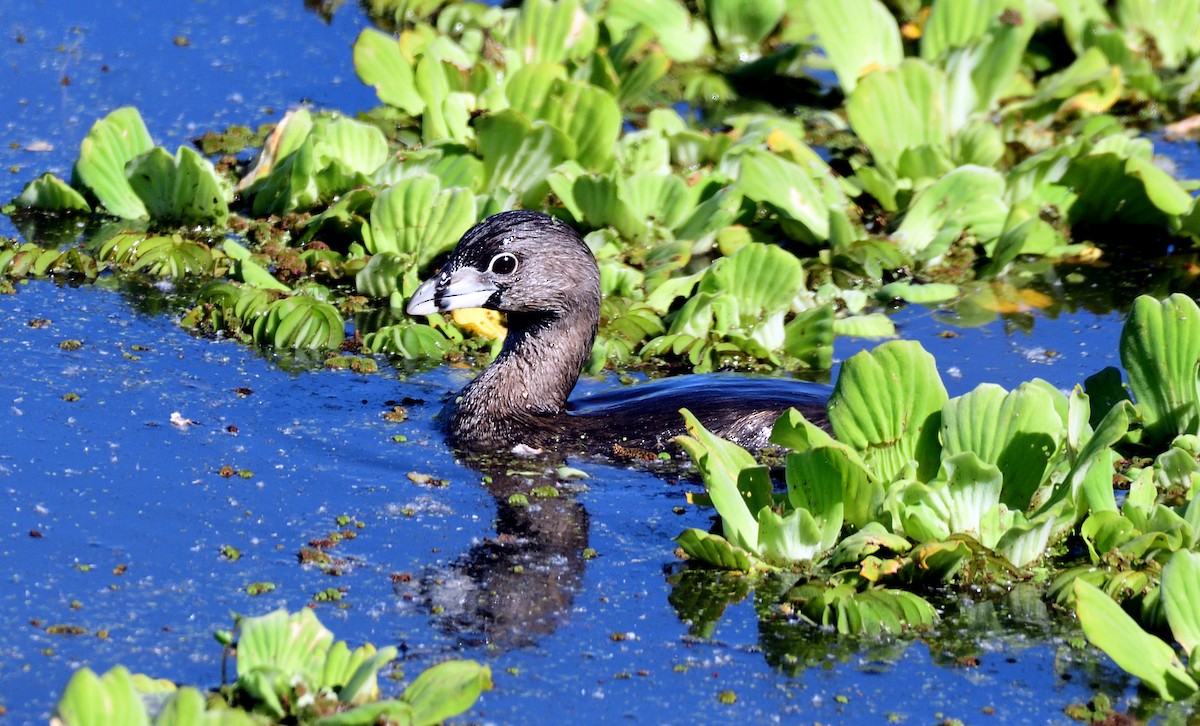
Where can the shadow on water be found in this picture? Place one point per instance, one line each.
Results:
(516, 586)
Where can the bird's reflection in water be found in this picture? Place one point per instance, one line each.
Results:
(515, 587)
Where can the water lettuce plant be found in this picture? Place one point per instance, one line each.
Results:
(911, 488)
(289, 669)
(952, 155)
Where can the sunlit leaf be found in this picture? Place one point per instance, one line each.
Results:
(588, 115)
(294, 644)
(91, 700)
(859, 36)
(408, 339)
(380, 64)
(682, 38)
(768, 178)
(300, 322)
(548, 31)
(1173, 25)
(887, 405)
(1160, 348)
(517, 155)
(184, 189)
(743, 24)
(110, 144)
(714, 550)
(828, 484)
(1110, 629)
(418, 218)
(446, 690)
(1181, 599)
(49, 193)
(1018, 431)
(871, 325)
(720, 463)
(797, 536)
(969, 199)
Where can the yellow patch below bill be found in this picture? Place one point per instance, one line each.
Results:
(480, 321)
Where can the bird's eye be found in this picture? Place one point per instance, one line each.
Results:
(503, 264)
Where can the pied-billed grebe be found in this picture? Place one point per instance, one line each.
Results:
(538, 271)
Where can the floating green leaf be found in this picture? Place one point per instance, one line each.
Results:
(588, 115)
(1172, 24)
(682, 38)
(49, 193)
(183, 189)
(743, 24)
(968, 200)
(418, 218)
(714, 549)
(1110, 629)
(786, 186)
(859, 36)
(380, 64)
(1017, 431)
(300, 322)
(720, 463)
(1160, 349)
(550, 31)
(294, 644)
(158, 255)
(517, 154)
(113, 142)
(1181, 599)
(887, 404)
(91, 700)
(446, 690)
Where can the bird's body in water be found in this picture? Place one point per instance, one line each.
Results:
(538, 271)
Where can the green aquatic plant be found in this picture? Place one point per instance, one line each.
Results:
(129, 177)
(300, 321)
(289, 669)
(310, 160)
(157, 255)
(1160, 351)
(739, 307)
(1143, 654)
(956, 149)
(993, 474)
(913, 488)
(31, 260)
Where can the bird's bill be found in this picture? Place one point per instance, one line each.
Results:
(461, 288)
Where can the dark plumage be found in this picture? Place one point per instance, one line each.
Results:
(537, 270)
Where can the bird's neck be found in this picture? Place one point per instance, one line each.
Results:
(534, 374)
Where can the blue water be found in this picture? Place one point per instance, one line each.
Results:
(114, 517)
